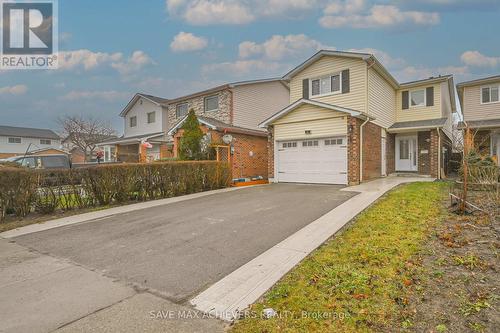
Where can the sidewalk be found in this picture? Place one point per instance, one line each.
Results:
(235, 292)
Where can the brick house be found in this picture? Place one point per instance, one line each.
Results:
(480, 104)
(233, 110)
(349, 121)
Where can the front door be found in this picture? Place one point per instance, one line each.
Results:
(406, 153)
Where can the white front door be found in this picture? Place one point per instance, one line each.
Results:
(406, 153)
(322, 161)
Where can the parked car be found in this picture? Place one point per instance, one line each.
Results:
(56, 161)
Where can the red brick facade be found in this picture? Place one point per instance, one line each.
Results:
(270, 152)
(250, 156)
(372, 151)
(353, 153)
(390, 142)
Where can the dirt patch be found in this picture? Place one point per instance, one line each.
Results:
(457, 287)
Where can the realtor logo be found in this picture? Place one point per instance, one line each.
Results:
(29, 34)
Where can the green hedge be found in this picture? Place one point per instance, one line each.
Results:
(23, 191)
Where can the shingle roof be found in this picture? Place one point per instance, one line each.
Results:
(159, 100)
(26, 132)
(219, 126)
(481, 123)
(419, 123)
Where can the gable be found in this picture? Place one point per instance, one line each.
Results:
(307, 112)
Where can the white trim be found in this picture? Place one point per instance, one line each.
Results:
(183, 119)
(419, 105)
(329, 76)
(303, 101)
(489, 86)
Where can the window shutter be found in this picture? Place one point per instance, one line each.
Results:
(305, 88)
(406, 99)
(429, 98)
(345, 81)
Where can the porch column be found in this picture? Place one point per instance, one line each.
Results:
(142, 153)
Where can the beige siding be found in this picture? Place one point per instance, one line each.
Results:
(423, 112)
(474, 110)
(446, 108)
(253, 103)
(381, 99)
(308, 112)
(355, 99)
(319, 128)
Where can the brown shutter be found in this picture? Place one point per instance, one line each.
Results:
(405, 96)
(429, 98)
(305, 88)
(345, 81)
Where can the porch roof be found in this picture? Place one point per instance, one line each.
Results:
(217, 125)
(488, 123)
(418, 124)
(157, 137)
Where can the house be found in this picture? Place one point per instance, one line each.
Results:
(145, 127)
(79, 155)
(480, 104)
(21, 140)
(229, 115)
(349, 120)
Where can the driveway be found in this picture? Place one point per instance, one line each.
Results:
(177, 250)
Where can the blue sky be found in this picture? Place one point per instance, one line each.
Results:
(111, 49)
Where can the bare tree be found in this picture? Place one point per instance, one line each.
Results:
(85, 132)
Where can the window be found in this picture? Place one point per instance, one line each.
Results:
(151, 117)
(181, 110)
(417, 98)
(14, 140)
(489, 94)
(45, 142)
(310, 143)
(326, 85)
(212, 103)
(133, 121)
(404, 149)
(332, 142)
(289, 145)
(28, 162)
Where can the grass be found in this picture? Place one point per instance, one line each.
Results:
(357, 280)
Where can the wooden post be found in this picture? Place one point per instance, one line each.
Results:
(467, 146)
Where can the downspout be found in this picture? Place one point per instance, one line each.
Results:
(439, 153)
(361, 148)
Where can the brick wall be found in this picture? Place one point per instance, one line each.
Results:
(270, 153)
(353, 125)
(224, 113)
(424, 159)
(390, 142)
(166, 151)
(250, 157)
(433, 152)
(372, 151)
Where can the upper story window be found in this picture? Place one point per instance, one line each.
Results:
(45, 142)
(181, 110)
(151, 117)
(489, 94)
(417, 98)
(14, 140)
(133, 121)
(326, 85)
(212, 103)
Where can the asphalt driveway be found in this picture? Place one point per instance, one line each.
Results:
(179, 249)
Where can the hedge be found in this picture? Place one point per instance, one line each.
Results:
(23, 191)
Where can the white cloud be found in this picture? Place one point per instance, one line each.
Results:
(19, 89)
(109, 96)
(477, 59)
(353, 14)
(186, 41)
(134, 63)
(386, 59)
(205, 12)
(243, 67)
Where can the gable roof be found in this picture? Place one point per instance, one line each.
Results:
(27, 132)
(217, 125)
(303, 101)
(483, 80)
(154, 99)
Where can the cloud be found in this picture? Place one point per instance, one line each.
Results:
(387, 60)
(205, 12)
(477, 59)
(239, 68)
(186, 41)
(134, 63)
(109, 96)
(355, 14)
(19, 89)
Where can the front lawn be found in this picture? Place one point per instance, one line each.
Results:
(358, 280)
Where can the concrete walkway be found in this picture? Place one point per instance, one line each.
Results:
(235, 292)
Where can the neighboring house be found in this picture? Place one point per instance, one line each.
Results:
(480, 102)
(21, 140)
(349, 121)
(235, 109)
(78, 155)
(145, 126)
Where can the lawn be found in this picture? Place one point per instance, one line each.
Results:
(358, 280)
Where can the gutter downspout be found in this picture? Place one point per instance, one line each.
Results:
(439, 154)
(361, 148)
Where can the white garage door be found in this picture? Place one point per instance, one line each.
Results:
(313, 161)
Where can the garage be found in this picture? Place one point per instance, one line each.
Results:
(321, 160)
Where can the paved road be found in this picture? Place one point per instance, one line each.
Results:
(180, 249)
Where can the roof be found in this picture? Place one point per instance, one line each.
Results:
(27, 132)
(303, 101)
(480, 123)
(217, 125)
(160, 101)
(429, 123)
(479, 81)
(132, 139)
(440, 78)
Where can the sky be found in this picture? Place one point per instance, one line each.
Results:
(109, 50)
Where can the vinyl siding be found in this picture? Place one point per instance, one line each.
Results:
(446, 108)
(423, 112)
(253, 103)
(319, 128)
(26, 143)
(308, 112)
(381, 99)
(141, 112)
(474, 110)
(355, 99)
